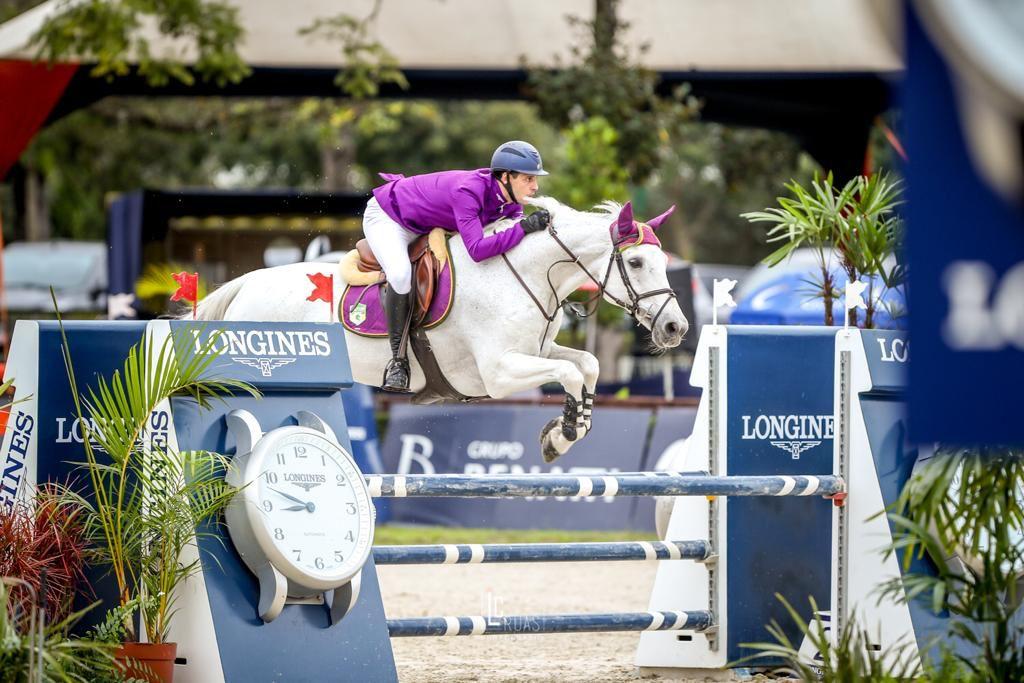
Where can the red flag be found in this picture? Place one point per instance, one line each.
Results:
(188, 284)
(323, 288)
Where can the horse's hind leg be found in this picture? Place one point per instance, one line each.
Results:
(515, 371)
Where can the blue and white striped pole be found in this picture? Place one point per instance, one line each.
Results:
(541, 552)
(550, 623)
(627, 484)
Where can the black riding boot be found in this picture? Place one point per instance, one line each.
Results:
(396, 374)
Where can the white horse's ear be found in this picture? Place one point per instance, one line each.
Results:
(624, 222)
(656, 222)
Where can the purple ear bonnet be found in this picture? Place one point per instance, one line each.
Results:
(624, 224)
(656, 222)
(627, 232)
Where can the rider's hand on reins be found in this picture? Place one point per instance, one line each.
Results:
(536, 221)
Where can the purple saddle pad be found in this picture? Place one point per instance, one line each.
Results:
(361, 309)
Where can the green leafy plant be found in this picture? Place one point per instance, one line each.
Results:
(869, 233)
(605, 79)
(62, 659)
(108, 33)
(807, 219)
(962, 517)
(857, 220)
(849, 658)
(112, 632)
(368, 64)
(963, 513)
(145, 501)
(591, 173)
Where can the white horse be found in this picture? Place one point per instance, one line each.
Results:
(499, 336)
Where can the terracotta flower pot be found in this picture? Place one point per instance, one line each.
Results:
(152, 662)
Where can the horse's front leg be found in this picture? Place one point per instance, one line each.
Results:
(588, 365)
(514, 371)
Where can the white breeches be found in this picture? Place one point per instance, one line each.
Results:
(390, 244)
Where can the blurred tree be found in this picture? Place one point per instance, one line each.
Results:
(420, 137)
(368, 64)
(589, 172)
(121, 144)
(605, 80)
(714, 173)
(12, 8)
(108, 34)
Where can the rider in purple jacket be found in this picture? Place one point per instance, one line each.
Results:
(464, 201)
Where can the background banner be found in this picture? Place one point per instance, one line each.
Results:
(504, 440)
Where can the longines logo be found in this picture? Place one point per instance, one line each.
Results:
(307, 482)
(13, 470)
(268, 350)
(73, 430)
(791, 433)
(984, 307)
(266, 366)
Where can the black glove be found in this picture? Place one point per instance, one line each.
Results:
(536, 221)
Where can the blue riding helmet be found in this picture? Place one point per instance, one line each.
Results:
(519, 157)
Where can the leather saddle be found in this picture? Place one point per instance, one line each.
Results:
(426, 268)
(428, 255)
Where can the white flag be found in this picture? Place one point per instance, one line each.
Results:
(853, 294)
(722, 295)
(120, 306)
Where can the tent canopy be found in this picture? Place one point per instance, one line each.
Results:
(817, 70)
(683, 35)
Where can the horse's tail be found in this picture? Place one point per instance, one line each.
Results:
(215, 304)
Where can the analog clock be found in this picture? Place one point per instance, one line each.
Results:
(302, 519)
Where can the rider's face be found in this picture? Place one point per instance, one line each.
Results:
(523, 185)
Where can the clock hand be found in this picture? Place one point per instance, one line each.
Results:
(294, 508)
(288, 496)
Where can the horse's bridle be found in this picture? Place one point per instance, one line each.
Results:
(616, 258)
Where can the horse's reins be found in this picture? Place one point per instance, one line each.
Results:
(632, 306)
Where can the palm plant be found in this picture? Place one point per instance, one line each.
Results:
(858, 220)
(807, 219)
(968, 505)
(145, 500)
(868, 234)
(847, 658)
(59, 659)
(963, 515)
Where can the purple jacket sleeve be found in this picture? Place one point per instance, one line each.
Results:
(467, 208)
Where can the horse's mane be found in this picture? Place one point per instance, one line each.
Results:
(553, 206)
(599, 214)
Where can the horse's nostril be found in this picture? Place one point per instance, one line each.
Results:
(671, 328)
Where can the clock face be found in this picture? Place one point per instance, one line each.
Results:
(311, 508)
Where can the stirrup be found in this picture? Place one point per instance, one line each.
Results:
(396, 376)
